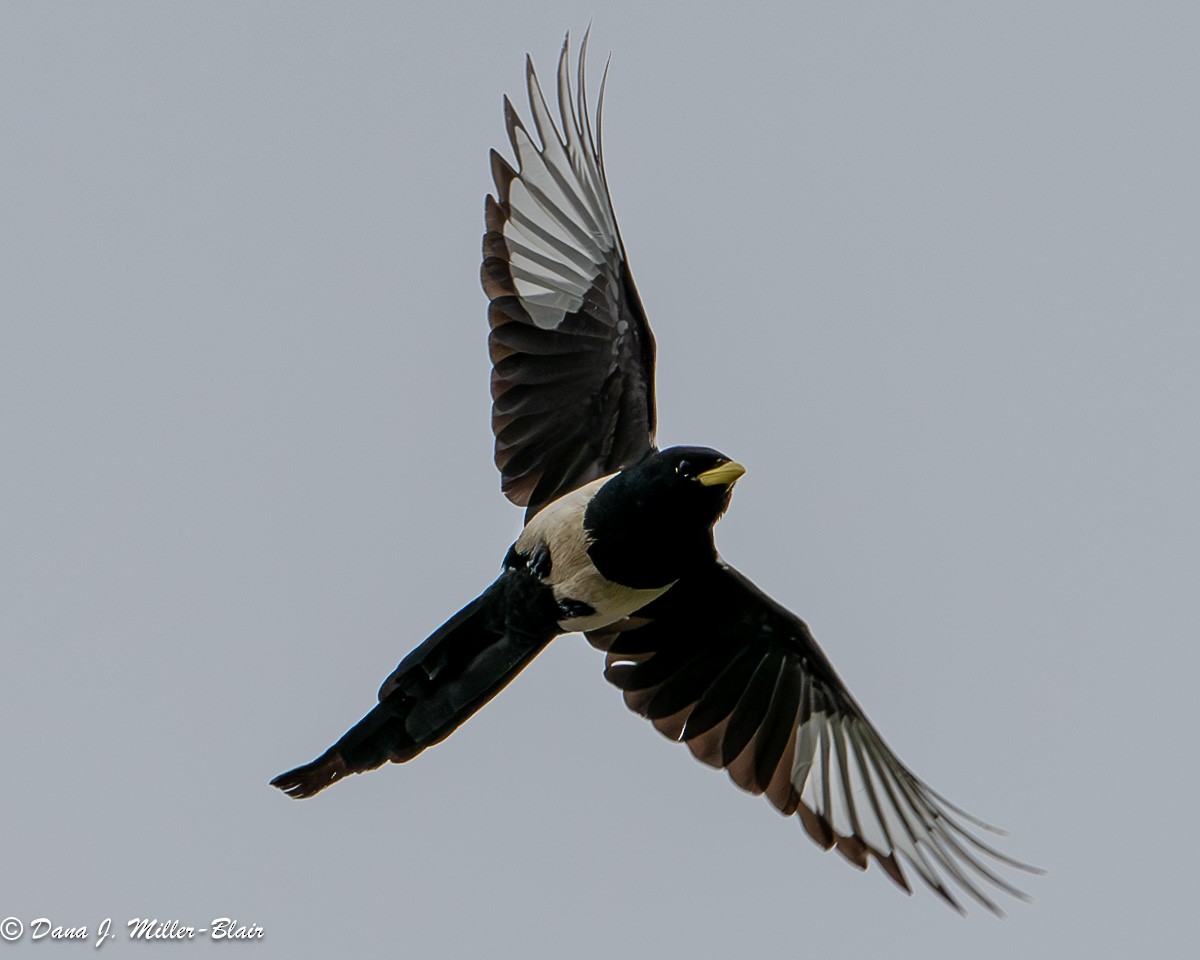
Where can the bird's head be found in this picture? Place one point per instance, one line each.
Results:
(667, 501)
(692, 485)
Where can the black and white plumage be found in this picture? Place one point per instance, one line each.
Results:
(618, 544)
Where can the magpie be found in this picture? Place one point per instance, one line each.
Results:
(618, 544)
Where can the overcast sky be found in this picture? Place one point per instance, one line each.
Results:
(929, 271)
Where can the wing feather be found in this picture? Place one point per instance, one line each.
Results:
(572, 352)
(719, 664)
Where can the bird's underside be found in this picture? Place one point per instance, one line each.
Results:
(618, 544)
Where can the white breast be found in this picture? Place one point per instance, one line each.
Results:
(559, 526)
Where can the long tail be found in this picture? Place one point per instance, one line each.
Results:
(466, 662)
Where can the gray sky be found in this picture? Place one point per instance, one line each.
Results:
(930, 273)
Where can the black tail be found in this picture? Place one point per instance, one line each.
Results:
(466, 662)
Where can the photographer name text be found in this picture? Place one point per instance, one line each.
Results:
(139, 928)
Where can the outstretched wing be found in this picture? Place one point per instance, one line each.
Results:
(718, 664)
(572, 353)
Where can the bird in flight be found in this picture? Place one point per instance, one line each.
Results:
(618, 545)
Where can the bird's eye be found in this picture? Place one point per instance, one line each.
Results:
(684, 469)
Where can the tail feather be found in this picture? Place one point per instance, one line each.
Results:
(437, 687)
(373, 741)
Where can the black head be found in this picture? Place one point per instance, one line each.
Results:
(654, 519)
(689, 485)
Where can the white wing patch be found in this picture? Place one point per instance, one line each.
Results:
(561, 232)
(844, 773)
